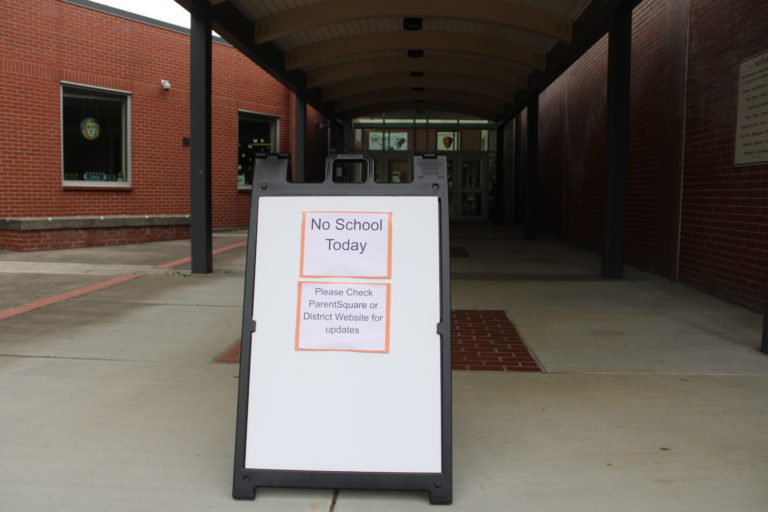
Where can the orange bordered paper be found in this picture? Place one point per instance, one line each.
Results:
(346, 244)
(343, 316)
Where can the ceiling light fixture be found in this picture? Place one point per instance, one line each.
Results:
(412, 23)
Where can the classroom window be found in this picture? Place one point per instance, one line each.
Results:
(95, 137)
(256, 133)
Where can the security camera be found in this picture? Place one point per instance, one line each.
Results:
(166, 85)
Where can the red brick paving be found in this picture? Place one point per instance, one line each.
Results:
(231, 355)
(47, 301)
(187, 259)
(482, 340)
(485, 340)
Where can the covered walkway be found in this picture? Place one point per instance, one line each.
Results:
(652, 395)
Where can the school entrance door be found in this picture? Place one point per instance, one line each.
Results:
(469, 182)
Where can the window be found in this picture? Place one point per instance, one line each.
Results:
(94, 137)
(256, 133)
(397, 170)
(350, 171)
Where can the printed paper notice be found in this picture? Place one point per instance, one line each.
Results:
(343, 316)
(752, 112)
(346, 244)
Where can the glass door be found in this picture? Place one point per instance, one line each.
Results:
(471, 189)
(453, 187)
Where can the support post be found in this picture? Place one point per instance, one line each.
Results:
(497, 212)
(300, 138)
(617, 141)
(532, 169)
(337, 137)
(200, 145)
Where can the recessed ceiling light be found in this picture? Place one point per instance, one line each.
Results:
(412, 23)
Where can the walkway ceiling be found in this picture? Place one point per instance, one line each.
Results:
(350, 58)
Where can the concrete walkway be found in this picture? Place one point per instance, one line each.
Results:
(654, 396)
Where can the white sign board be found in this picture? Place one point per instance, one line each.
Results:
(345, 360)
(751, 145)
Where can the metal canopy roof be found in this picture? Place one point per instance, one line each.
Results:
(349, 58)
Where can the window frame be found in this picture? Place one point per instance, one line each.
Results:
(126, 146)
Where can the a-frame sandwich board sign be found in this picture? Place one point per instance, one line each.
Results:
(345, 371)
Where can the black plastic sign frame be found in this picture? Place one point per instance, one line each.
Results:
(270, 179)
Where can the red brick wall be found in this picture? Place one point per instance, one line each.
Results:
(45, 42)
(75, 238)
(724, 238)
(572, 144)
(315, 147)
(682, 184)
(572, 138)
(238, 84)
(584, 192)
(553, 163)
(657, 111)
(643, 222)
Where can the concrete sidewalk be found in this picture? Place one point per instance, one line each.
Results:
(654, 396)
